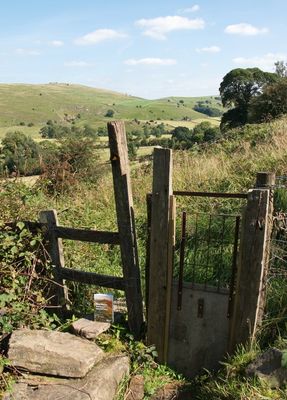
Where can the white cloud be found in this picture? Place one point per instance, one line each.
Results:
(27, 52)
(56, 43)
(210, 49)
(77, 64)
(245, 30)
(99, 36)
(189, 9)
(265, 62)
(157, 28)
(151, 61)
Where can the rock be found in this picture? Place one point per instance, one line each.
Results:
(173, 391)
(268, 366)
(89, 329)
(52, 353)
(101, 383)
(136, 388)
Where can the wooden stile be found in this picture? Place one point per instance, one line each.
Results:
(160, 252)
(91, 278)
(86, 235)
(126, 224)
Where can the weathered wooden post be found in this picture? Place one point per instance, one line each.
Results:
(55, 249)
(253, 262)
(126, 224)
(160, 279)
(147, 261)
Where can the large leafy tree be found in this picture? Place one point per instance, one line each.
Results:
(237, 89)
(281, 68)
(271, 103)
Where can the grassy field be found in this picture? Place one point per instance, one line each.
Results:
(229, 165)
(21, 105)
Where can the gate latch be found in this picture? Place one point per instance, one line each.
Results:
(200, 308)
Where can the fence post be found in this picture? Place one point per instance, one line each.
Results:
(147, 261)
(266, 180)
(55, 250)
(126, 224)
(160, 265)
(253, 262)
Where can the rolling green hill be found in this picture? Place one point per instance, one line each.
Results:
(23, 104)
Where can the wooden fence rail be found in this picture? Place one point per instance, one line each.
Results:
(125, 238)
(85, 235)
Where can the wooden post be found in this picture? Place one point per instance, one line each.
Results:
(160, 252)
(266, 180)
(253, 264)
(55, 249)
(147, 261)
(126, 224)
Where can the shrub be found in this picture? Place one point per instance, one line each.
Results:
(24, 278)
(110, 113)
(20, 154)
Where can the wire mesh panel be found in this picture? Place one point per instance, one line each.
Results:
(206, 249)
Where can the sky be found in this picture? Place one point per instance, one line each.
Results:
(150, 48)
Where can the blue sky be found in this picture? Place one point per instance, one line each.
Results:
(151, 48)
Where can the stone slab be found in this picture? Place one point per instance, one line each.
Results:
(101, 383)
(89, 329)
(52, 353)
(136, 388)
(268, 366)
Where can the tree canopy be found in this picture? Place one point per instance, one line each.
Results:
(271, 103)
(237, 89)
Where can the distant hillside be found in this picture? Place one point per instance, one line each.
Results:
(23, 104)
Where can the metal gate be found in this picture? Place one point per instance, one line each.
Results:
(205, 264)
(201, 301)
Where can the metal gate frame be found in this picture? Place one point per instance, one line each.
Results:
(249, 283)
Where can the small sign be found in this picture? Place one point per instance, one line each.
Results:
(103, 305)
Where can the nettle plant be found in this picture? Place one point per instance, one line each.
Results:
(25, 281)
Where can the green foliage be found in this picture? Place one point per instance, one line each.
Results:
(20, 154)
(142, 362)
(180, 134)
(210, 111)
(24, 278)
(52, 130)
(237, 89)
(64, 165)
(284, 359)
(281, 69)
(185, 138)
(6, 379)
(231, 382)
(110, 113)
(271, 103)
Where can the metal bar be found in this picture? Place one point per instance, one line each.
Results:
(211, 194)
(234, 267)
(208, 251)
(195, 249)
(181, 261)
(221, 254)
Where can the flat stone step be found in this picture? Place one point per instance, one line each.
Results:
(89, 329)
(101, 383)
(53, 353)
